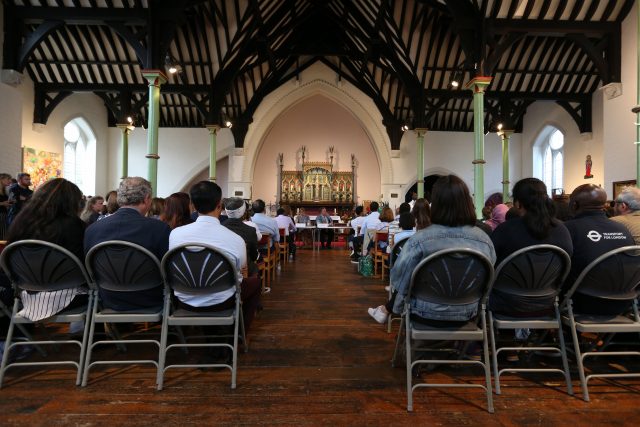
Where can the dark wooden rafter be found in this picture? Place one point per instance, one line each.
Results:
(402, 54)
(45, 103)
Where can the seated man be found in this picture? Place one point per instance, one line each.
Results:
(265, 223)
(355, 224)
(130, 224)
(285, 221)
(206, 196)
(628, 211)
(304, 235)
(326, 235)
(593, 234)
(235, 208)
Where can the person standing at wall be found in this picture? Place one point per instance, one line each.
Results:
(5, 182)
(19, 194)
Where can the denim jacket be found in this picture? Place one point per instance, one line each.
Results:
(424, 243)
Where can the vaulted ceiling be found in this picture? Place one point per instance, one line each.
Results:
(403, 54)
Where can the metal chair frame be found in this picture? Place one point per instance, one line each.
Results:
(65, 316)
(554, 322)
(477, 333)
(223, 318)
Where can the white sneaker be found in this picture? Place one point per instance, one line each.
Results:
(377, 313)
(387, 288)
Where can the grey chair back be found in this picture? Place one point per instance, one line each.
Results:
(199, 268)
(456, 276)
(38, 266)
(534, 271)
(123, 267)
(614, 275)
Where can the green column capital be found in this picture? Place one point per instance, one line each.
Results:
(154, 77)
(478, 84)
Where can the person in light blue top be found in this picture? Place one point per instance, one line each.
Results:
(453, 221)
(265, 223)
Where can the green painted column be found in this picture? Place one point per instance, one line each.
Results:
(124, 147)
(505, 135)
(478, 86)
(420, 132)
(155, 78)
(213, 159)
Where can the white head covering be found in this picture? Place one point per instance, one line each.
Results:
(238, 212)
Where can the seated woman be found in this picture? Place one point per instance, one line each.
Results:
(453, 221)
(177, 211)
(497, 216)
(421, 211)
(92, 210)
(52, 215)
(386, 218)
(407, 226)
(535, 225)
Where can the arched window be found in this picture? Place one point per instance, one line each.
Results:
(548, 158)
(80, 155)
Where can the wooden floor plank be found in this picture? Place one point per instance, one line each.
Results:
(316, 358)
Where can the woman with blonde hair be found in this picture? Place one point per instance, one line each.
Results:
(92, 209)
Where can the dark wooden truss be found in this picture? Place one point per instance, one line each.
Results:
(403, 54)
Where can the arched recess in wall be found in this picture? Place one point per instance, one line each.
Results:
(289, 95)
(79, 158)
(548, 157)
(222, 173)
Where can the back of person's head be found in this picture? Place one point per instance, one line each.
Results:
(588, 197)
(486, 212)
(235, 207)
(422, 213)
(451, 203)
(512, 213)
(406, 221)
(206, 196)
(112, 202)
(157, 207)
(530, 195)
(374, 206)
(258, 206)
(176, 210)
(280, 211)
(53, 200)
(403, 208)
(387, 214)
(630, 196)
(561, 210)
(359, 210)
(133, 191)
(287, 210)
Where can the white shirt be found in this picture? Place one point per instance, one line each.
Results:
(286, 223)
(208, 230)
(369, 222)
(357, 222)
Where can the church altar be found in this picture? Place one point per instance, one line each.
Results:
(317, 185)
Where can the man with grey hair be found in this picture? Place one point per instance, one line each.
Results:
(235, 208)
(628, 211)
(130, 224)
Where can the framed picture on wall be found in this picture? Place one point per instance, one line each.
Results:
(619, 185)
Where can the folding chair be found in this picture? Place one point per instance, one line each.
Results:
(397, 248)
(448, 277)
(614, 275)
(200, 269)
(121, 266)
(533, 272)
(38, 266)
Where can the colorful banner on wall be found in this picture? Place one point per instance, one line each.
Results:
(41, 165)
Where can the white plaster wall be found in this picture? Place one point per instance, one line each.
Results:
(50, 137)
(453, 152)
(316, 122)
(184, 153)
(619, 131)
(576, 146)
(10, 130)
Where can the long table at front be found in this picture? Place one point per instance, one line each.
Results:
(315, 235)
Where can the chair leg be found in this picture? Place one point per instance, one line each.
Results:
(7, 343)
(398, 341)
(234, 364)
(162, 355)
(407, 340)
(87, 362)
(85, 334)
(487, 369)
(563, 354)
(494, 353)
(576, 345)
